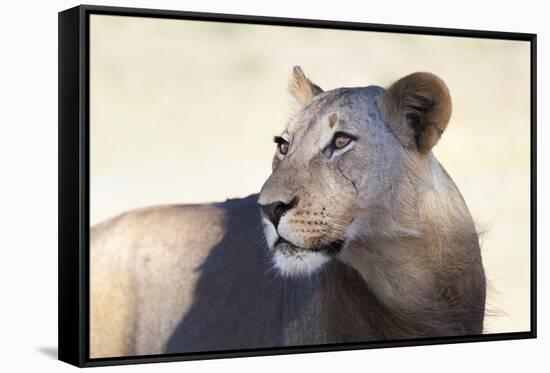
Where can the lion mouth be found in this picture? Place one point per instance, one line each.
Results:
(331, 249)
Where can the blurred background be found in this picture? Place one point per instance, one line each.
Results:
(185, 112)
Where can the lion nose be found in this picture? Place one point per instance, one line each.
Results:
(275, 210)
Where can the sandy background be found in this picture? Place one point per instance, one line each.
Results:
(185, 112)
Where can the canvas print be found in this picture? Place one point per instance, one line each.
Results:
(257, 186)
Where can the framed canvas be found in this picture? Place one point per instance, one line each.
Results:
(233, 186)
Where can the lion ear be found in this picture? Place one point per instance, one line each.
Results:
(301, 88)
(417, 108)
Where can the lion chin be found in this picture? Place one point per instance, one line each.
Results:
(299, 262)
(293, 261)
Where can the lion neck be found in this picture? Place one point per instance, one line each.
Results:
(421, 240)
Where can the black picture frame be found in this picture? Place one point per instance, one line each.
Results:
(74, 174)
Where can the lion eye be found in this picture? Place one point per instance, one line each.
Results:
(282, 144)
(341, 140)
(283, 148)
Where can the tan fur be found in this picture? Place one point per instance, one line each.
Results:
(406, 228)
(135, 304)
(413, 250)
(301, 88)
(197, 278)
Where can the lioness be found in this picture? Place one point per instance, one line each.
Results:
(359, 234)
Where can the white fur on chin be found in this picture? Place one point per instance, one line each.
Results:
(299, 263)
(296, 263)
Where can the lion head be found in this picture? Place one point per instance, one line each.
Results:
(353, 164)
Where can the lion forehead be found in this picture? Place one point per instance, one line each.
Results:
(353, 105)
